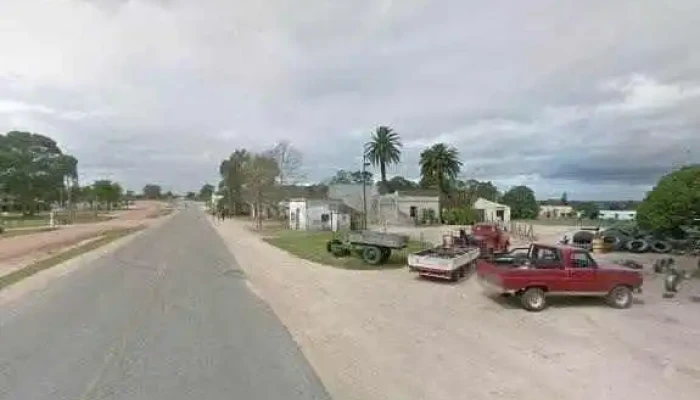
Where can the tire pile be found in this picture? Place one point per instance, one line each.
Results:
(619, 239)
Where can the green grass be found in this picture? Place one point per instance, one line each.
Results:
(26, 231)
(312, 246)
(46, 263)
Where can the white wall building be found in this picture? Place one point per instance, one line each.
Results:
(317, 215)
(489, 211)
(404, 208)
(550, 211)
(622, 215)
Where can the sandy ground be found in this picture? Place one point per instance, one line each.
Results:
(18, 251)
(389, 335)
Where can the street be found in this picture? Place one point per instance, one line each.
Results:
(168, 316)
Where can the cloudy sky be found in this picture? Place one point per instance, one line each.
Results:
(596, 98)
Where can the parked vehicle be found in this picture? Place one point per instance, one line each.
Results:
(539, 271)
(444, 262)
(491, 238)
(373, 247)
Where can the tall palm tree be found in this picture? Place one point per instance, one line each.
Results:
(439, 166)
(383, 149)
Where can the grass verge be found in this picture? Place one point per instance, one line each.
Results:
(51, 261)
(312, 246)
(22, 232)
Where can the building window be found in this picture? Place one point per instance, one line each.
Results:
(325, 217)
(413, 211)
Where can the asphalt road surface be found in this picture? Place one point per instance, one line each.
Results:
(169, 316)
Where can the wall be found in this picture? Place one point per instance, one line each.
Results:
(490, 210)
(351, 195)
(618, 215)
(299, 224)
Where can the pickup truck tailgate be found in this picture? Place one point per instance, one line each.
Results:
(489, 277)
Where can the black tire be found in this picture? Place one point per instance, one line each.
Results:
(637, 246)
(372, 255)
(659, 246)
(533, 299)
(620, 297)
(386, 254)
(336, 248)
(582, 237)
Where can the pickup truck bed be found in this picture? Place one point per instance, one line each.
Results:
(443, 262)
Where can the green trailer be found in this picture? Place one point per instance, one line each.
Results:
(373, 247)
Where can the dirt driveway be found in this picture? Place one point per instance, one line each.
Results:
(388, 335)
(18, 251)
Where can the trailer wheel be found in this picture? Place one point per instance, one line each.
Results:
(386, 254)
(372, 255)
(620, 297)
(336, 248)
(533, 299)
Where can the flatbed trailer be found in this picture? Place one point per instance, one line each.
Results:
(442, 262)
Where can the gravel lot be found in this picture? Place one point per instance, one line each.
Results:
(389, 335)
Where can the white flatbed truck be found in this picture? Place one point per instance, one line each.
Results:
(450, 263)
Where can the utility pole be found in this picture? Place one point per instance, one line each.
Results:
(364, 189)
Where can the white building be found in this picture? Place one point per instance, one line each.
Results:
(489, 211)
(621, 215)
(317, 215)
(401, 208)
(560, 211)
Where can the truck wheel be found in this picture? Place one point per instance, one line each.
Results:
(533, 299)
(620, 297)
(372, 255)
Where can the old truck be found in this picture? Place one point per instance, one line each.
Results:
(491, 238)
(537, 272)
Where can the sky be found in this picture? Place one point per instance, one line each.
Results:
(594, 98)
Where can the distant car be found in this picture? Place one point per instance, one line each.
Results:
(537, 272)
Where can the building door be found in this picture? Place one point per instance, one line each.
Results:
(500, 215)
(413, 212)
(296, 219)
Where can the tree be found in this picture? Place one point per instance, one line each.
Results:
(34, 169)
(152, 192)
(383, 149)
(588, 209)
(232, 171)
(190, 195)
(350, 178)
(261, 172)
(107, 193)
(399, 183)
(289, 161)
(522, 203)
(439, 167)
(478, 189)
(206, 192)
(673, 202)
(564, 199)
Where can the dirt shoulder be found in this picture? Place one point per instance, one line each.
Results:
(18, 251)
(388, 335)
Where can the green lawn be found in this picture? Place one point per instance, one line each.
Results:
(312, 246)
(46, 263)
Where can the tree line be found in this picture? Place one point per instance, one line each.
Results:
(36, 175)
(250, 178)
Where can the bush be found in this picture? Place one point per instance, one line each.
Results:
(459, 216)
(2, 230)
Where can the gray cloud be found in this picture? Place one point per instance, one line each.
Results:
(597, 98)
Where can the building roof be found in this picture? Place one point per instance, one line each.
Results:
(482, 204)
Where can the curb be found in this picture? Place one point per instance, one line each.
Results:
(42, 279)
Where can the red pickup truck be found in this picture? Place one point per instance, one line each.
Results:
(491, 238)
(539, 271)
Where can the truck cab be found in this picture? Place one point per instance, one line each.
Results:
(491, 238)
(540, 271)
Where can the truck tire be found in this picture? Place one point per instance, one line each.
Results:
(533, 299)
(620, 297)
(386, 254)
(372, 255)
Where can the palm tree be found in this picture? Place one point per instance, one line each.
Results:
(383, 149)
(439, 166)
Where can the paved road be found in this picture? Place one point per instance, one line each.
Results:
(168, 316)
